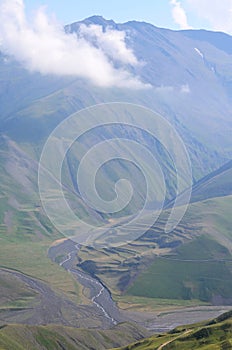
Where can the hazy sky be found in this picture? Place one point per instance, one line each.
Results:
(176, 14)
(155, 11)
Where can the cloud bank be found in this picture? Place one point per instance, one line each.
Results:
(179, 15)
(43, 46)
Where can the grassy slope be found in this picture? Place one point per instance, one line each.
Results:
(14, 293)
(177, 277)
(216, 335)
(25, 232)
(208, 274)
(20, 337)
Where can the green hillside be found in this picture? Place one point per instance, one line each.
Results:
(199, 270)
(21, 337)
(214, 335)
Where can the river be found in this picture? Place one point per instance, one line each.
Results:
(99, 294)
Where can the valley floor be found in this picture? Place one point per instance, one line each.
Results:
(49, 319)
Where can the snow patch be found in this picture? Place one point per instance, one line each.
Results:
(199, 52)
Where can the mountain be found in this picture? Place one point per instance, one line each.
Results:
(190, 79)
(191, 91)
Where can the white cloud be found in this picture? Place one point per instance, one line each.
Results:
(43, 46)
(185, 89)
(218, 13)
(179, 15)
(112, 42)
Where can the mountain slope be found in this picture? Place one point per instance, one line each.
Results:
(213, 335)
(216, 184)
(197, 270)
(18, 337)
(220, 40)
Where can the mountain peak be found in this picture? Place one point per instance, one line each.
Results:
(98, 20)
